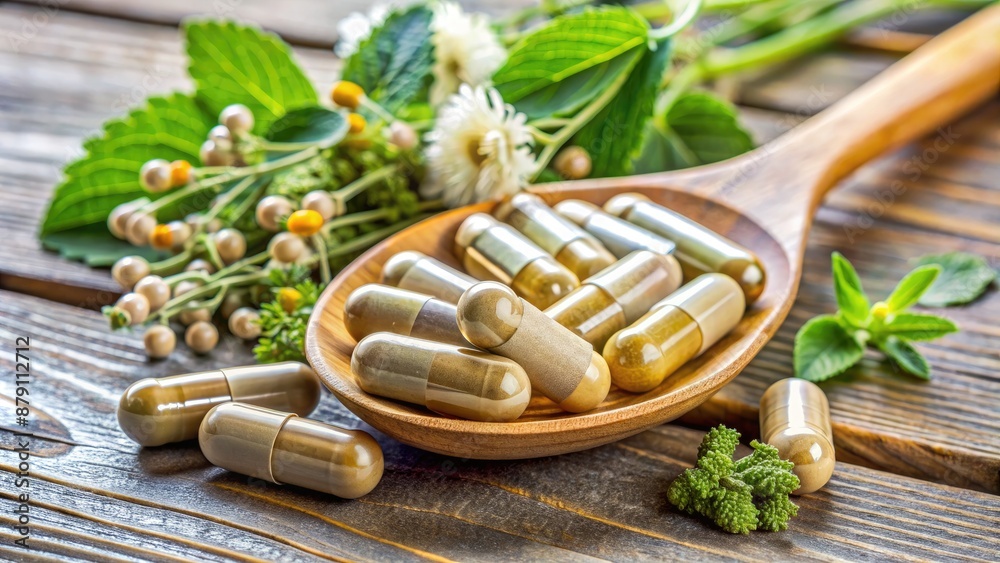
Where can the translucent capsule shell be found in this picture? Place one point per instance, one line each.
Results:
(375, 308)
(282, 448)
(418, 272)
(795, 419)
(616, 234)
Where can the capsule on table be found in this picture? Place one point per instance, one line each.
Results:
(616, 234)
(284, 449)
(153, 412)
(679, 328)
(617, 296)
(795, 419)
(569, 244)
(375, 308)
(491, 250)
(452, 380)
(418, 272)
(699, 249)
(561, 365)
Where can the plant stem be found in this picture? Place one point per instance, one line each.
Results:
(324, 263)
(363, 183)
(684, 19)
(169, 265)
(225, 200)
(374, 215)
(175, 305)
(549, 123)
(364, 241)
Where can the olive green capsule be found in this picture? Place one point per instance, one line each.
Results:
(153, 412)
(617, 296)
(282, 448)
(699, 249)
(569, 244)
(375, 308)
(795, 419)
(418, 272)
(616, 234)
(452, 380)
(491, 250)
(561, 365)
(679, 328)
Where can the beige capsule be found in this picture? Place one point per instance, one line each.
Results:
(491, 250)
(561, 365)
(283, 448)
(699, 249)
(679, 328)
(157, 411)
(375, 308)
(418, 272)
(617, 296)
(571, 246)
(453, 380)
(616, 234)
(795, 419)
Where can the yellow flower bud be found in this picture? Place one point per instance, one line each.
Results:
(347, 94)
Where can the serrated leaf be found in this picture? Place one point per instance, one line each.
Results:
(94, 246)
(237, 64)
(700, 129)
(963, 278)
(311, 125)
(172, 128)
(394, 64)
(904, 355)
(824, 349)
(911, 287)
(615, 136)
(851, 296)
(918, 326)
(564, 64)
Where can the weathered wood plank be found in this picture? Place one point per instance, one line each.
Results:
(98, 495)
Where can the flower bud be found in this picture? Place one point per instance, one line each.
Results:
(238, 119)
(347, 94)
(573, 163)
(402, 135)
(154, 176)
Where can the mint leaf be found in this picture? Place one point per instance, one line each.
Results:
(172, 128)
(851, 296)
(917, 326)
(911, 287)
(394, 64)
(237, 64)
(615, 135)
(824, 349)
(699, 129)
(906, 357)
(963, 278)
(561, 66)
(311, 125)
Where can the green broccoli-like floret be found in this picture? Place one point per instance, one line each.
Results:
(739, 496)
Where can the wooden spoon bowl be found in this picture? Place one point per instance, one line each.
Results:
(763, 200)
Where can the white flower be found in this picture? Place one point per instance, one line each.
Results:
(356, 27)
(466, 51)
(479, 149)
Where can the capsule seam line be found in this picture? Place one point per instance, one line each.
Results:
(270, 455)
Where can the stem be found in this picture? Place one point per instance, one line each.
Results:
(324, 263)
(175, 305)
(363, 183)
(549, 123)
(213, 253)
(238, 265)
(364, 241)
(377, 109)
(684, 19)
(225, 200)
(375, 215)
(169, 265)
(184, 276)
(540, 136)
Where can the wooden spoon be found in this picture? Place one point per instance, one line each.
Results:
(764, 200)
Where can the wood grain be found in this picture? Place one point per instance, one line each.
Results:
(99, 496)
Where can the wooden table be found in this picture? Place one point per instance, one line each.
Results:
(919, 463)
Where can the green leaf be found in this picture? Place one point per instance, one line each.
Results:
(394, 64)
(700, 129)
(851, 296)
(824, 349)
(917, 326)
(964, 277)
(94, 246)
(237, 64)
(911, 287)
(564, 64)
(172, 128)
(615, 135)
(311, 125)
(906, 357)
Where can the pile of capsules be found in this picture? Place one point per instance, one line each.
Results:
(438, 337)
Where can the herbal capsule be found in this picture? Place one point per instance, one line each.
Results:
(418, 272)
(679, 328)
(618, 235)
(699, 249)
(153, 412)
(282, 448)
(452, 380)
(375, 308)
(571, 246)
(795, 419)
(561, 365)
(617, 296)
(491, 250)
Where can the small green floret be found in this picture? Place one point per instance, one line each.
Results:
(739, 496)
